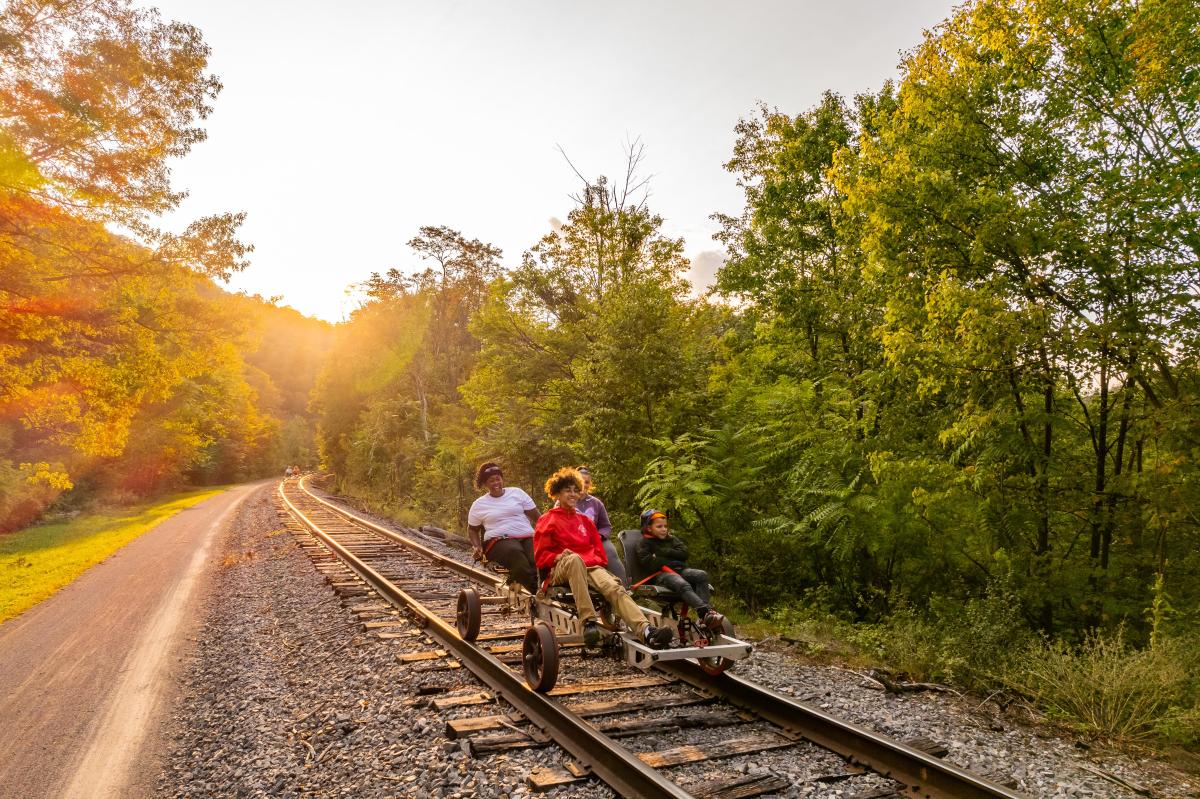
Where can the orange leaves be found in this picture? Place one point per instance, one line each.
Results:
(99, 95)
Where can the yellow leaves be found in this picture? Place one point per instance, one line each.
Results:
(42, 474)
(17, 173)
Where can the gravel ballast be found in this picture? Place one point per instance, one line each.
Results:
(285, 695)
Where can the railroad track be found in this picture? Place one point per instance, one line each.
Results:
(661, 733)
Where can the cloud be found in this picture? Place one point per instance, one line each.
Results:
(704, 270)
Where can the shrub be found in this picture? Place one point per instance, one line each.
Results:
(970, 644)
(1105, 686)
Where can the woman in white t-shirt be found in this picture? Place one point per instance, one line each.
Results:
(500, 526)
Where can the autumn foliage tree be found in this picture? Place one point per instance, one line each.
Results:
(107, 323)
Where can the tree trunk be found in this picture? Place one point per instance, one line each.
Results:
(1118, 463)
(1101, 449)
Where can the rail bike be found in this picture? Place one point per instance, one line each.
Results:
(554, 621)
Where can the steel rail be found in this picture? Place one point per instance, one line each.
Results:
(469, 572)
(622, 770)
(922, 774)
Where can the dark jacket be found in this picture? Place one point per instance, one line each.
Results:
(654, 553)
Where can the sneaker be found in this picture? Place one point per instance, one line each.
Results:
(657, 637)
(591, 634)
(714, 621)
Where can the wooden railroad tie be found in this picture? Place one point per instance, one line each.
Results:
(456, 728)
(694, 754)
(532, 736)
(566, 689)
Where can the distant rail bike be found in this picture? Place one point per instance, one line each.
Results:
(554, 621)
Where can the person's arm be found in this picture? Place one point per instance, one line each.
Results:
(598, 549)
(647, 557)
(528, 505)
(545, 548)
(475, 533)
(603, 525)
(475, 529)
(681, 553)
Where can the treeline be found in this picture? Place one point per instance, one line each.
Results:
(950, 363)
(124, 368)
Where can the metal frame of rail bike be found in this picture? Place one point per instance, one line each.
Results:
(554, 621)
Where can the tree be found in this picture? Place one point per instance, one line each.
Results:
(591, 349)
(1031, 199)
(106, 323)
(392, 423)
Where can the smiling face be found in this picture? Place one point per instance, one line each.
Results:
(495, 484)
(568, 497)
(659, 528)
(587, 484)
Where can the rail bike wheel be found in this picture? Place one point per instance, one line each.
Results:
(713, 665)
(539, 657)
(469, 614)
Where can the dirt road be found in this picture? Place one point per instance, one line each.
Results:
(86, 675)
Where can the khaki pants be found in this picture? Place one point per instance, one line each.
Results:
(569, 570)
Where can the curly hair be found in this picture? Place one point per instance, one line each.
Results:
(481, 477)
(566, 476)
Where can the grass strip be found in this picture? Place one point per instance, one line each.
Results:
(39, 560)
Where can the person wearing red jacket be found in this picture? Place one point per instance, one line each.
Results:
(567, 547)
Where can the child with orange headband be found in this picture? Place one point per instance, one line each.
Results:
(663, 555)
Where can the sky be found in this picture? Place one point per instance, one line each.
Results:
(344, 127)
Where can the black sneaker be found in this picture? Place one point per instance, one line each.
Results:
(591, 634)
(714, 621)
(657, 637)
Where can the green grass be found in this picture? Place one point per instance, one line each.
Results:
(39, 560)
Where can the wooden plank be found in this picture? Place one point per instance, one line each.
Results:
(500, 635)
(604, 684)
(469, 724)
(515, 658)
(681, 721)
(375, 615)
(504, 649)
(581, 687)
(413, 657)
(457, 728)
(543, 778)
(445, 702)
(743, 787)
(518, 739)
(378, 625)
(696, 754)
(388, 634)
(528, 736)
(602, 708)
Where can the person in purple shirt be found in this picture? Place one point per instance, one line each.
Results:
(593, 508)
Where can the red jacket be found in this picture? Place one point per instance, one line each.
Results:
(562, 529)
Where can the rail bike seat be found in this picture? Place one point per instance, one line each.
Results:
(655, 593)
(562, 593)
